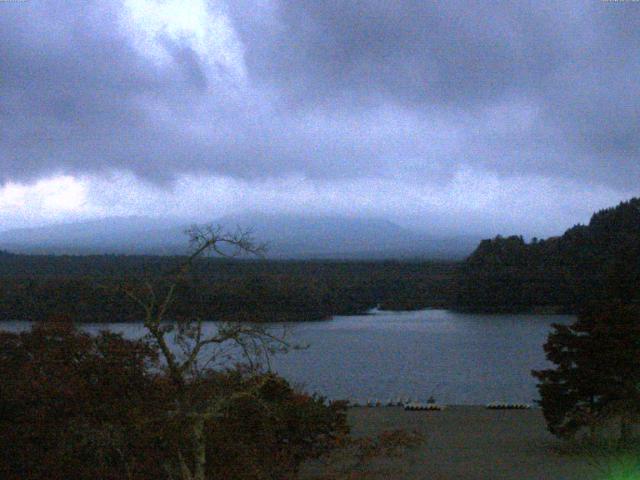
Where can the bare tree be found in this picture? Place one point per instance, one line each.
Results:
(198, 350)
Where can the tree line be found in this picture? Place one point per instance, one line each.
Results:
(89, 288)
(591, 263)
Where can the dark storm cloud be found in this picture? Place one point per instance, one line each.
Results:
(404, 89)
(66, 83)
(443, 53)
(575, 63)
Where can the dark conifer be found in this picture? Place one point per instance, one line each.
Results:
(597, 373)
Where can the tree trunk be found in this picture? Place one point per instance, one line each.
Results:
(592, 419)
(185, 473)
(199, 449)
(625, 429)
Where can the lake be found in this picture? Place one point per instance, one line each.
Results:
(456, 358)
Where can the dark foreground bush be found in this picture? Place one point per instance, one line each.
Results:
(75, 406)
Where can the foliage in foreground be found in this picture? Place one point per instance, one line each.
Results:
(77, 406)
(74, 406)
(597, 374)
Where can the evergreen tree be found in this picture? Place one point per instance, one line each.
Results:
(597, 373)
(595, 262)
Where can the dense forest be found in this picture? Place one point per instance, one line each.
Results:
(91, 288)
(587, 264)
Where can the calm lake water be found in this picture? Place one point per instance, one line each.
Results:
(456, 358)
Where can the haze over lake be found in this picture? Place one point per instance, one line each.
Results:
(456, 358)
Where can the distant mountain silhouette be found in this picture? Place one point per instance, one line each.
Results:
(287, 236)
(108, 235)
(299, 236)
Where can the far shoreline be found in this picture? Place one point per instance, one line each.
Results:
(538, 311)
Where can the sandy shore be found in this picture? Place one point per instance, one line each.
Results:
(473, 443)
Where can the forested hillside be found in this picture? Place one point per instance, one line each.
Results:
(588, 263)
(91, 288)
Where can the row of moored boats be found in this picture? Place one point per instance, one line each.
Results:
(431, 405)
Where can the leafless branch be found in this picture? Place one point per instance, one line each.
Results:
(253, 342)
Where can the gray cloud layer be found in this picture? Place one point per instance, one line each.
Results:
(405, 90)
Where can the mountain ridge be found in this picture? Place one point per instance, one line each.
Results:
(288, 236)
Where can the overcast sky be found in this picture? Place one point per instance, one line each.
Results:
(449, 116)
